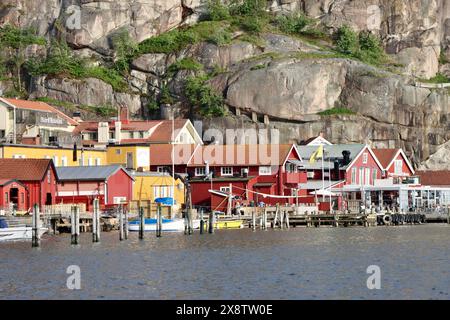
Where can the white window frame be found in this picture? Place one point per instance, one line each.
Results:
(226, 171)
(354, 174)
(98, 162)
(398, 166)
(90, 162)
(361, 176)
(225, 189)
(200, 171)
(64, 161)
(367, 176)
(365, 157)
(265, 170)
(161, 169)
(55, 161)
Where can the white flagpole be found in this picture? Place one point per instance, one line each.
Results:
(323, 176)
(329, 179)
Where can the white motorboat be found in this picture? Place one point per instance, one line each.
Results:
(168, 225)
(17, 231)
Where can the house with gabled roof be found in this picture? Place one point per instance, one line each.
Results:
(33, 122)
(39, 177)
(111, 184)
(395, 163)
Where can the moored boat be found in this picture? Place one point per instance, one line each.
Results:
(172, 225)
(17, 232)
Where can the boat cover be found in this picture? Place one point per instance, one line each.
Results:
(3, 224)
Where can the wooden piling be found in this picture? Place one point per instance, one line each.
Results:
(126, 231)
(121, 236)
(265, 218)
(282, 219)
(75, 225)
(159, 221)
(36, 241)
(211, 223)
(287, 219)
(254, 220)
(141, 223)
(96, 222)
(202, 222)
(190, 222)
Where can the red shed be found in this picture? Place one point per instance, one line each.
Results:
(37, 175)
(12, 192)
(110, 184)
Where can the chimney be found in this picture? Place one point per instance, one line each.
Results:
(346, 154)
(103, 132)
(124, 114)
(118, 131)
(76, 115)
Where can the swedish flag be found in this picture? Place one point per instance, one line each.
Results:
(318, 154)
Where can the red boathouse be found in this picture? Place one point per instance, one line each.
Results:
(38, 176)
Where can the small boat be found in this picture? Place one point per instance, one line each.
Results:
(229, 224)
(17, 232)
(150, 225)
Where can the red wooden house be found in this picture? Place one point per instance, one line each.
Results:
(37, 175)
(395, 163)
(251, 173)
(110, 184)
(12, 192)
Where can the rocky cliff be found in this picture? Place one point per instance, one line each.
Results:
(288, 81)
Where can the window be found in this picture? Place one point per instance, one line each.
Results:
(18, 156)
(225, 189)
(353, 176)
(265, 170)
(22, 198)
(63, 161)
(367, 176)
(200, 171)
(226, 171)
(55, 160)
(6, 197)
(118, 151)
(90, 162)
(162, 169)
(98, 162)
(365, 158)
(398, 166)
(49, 176)
(162, 192)
(361, 176)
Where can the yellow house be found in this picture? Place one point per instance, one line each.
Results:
(62, 157)
(131, 156)
(149, 186)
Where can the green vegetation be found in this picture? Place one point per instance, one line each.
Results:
(13, 43)
(336, 111)
(185, 64)
(258, 67)
(165, 96)
(105, 111)
(365, 46)
(62, 62)
(217, 11)
(294, 23)
(200, 94)
(125, 49)
(443, 58)
(439, 78)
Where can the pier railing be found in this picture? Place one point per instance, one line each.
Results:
(63, 210)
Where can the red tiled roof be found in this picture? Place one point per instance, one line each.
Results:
(24, 169)
(160, 130)
(39, 106)
(237, 155)
(161, 154)
(434, 178)
(385, 156)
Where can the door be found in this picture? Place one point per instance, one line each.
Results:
(14, 197)
(130, 160)
(48, 199)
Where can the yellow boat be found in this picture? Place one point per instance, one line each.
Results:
(229, 224)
